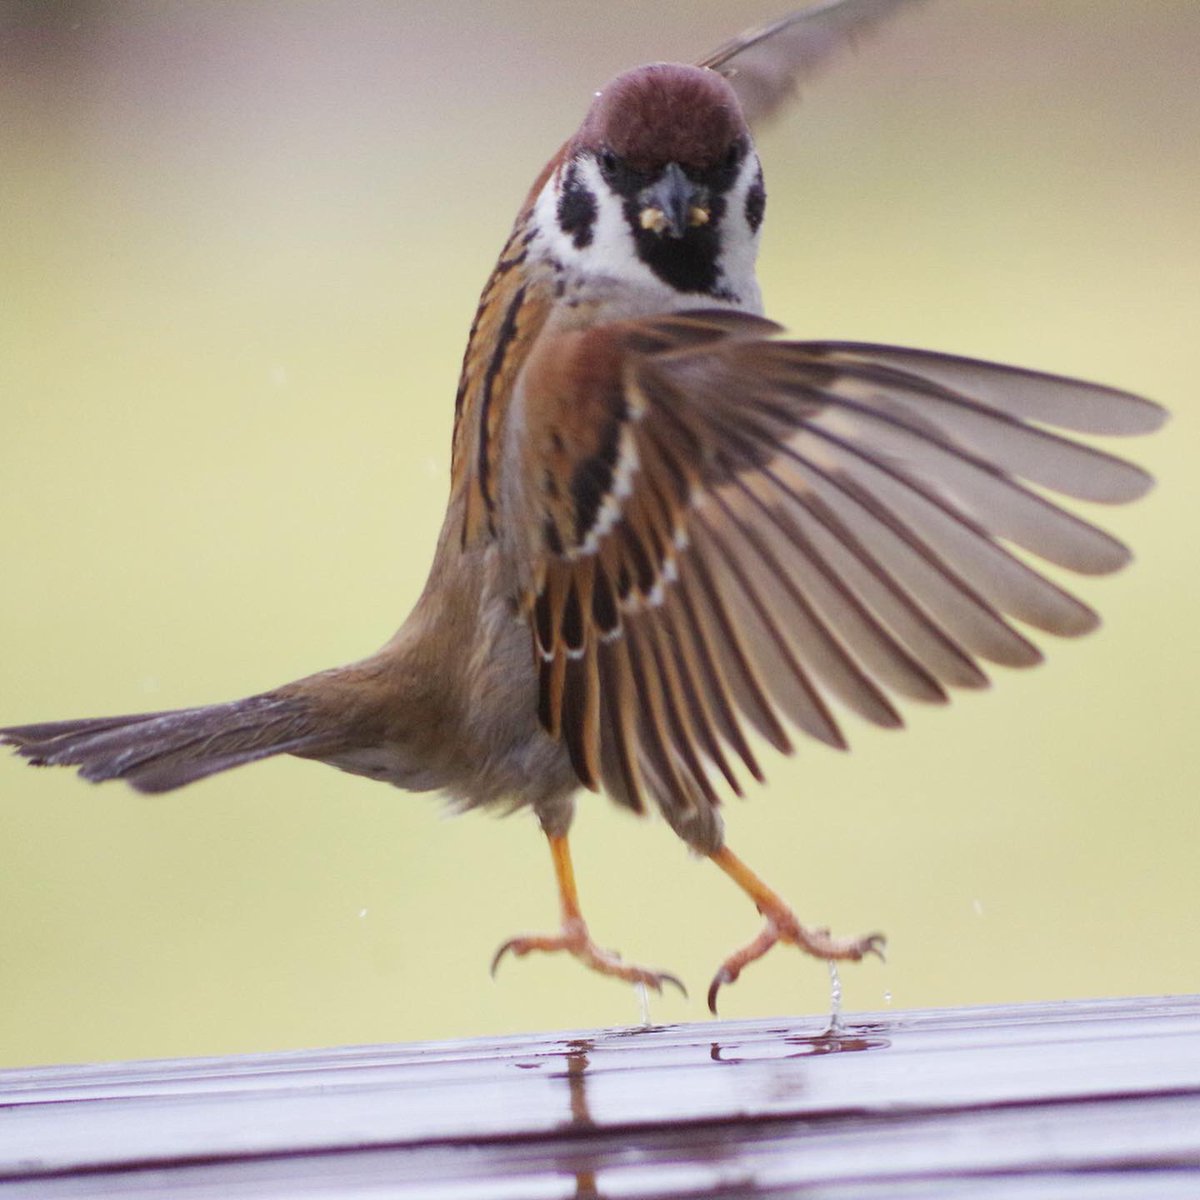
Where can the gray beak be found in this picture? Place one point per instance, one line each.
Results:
(672, 203)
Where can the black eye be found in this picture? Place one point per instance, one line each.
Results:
(733, 156)
(608, 161)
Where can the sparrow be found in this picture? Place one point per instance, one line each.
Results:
(674, 534)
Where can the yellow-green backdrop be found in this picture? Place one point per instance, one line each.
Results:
(240, 246)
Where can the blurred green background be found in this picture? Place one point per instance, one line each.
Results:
(240, 246)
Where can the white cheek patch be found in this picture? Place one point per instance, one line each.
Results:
(739, 243)
(609, 252)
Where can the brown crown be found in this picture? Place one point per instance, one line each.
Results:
(664, 113)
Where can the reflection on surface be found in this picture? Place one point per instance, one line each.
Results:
(658, 1099)
(837, 1039)
(582, 1167)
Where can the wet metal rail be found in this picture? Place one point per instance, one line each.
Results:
(1078, 1099)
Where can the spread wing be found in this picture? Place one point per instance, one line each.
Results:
(722, 530)
(766, 65)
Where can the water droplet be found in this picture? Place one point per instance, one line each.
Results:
(835, 998)
(643, 996)
(977, 905)
(887, 997)
(362, 912)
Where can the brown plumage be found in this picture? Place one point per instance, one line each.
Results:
(671, 528)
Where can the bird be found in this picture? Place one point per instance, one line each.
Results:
(677, 537)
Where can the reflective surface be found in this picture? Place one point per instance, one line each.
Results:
(1016, 1100)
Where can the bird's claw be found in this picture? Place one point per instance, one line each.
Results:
(723, 976)
(782, 926)
(876, 944)
(575, 940)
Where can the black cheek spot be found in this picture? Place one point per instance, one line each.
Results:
(756, 202)
(576, 209)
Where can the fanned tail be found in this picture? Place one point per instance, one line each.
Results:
(156, 752)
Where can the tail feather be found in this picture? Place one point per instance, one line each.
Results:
(156, 752)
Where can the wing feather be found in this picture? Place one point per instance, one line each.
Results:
(859, 573)
(686, 738)
(833, 601)
(747, 688)
(808, 634)
(654, 738)
(1058, 400)
(718, 693)
(767, 65)
(764, 527)
(782, 677)
(953, 601)
(619, 746)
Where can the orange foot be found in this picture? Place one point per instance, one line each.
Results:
(574, 937)
(781, 926)
(576, 940)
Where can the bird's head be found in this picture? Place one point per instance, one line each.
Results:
(662, 177)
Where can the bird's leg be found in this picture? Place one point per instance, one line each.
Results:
(574, 937)
(781, 926)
